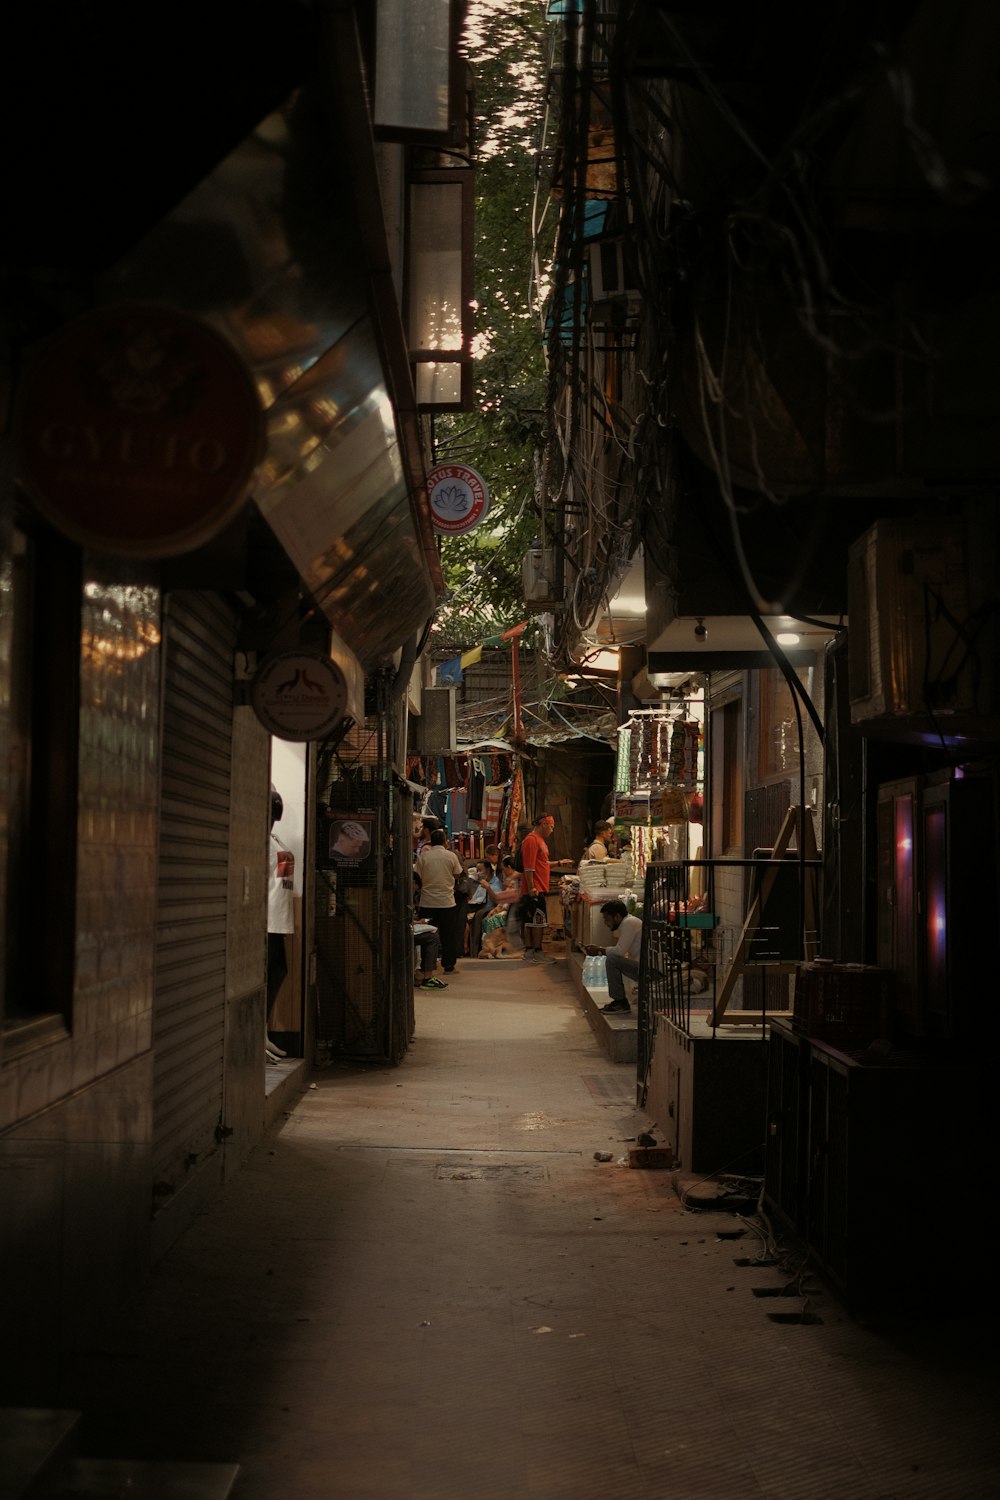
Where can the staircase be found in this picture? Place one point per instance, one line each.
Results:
(38, 1461)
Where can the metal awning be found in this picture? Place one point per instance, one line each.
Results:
(274, 249)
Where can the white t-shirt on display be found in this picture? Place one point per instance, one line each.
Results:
(280, 908)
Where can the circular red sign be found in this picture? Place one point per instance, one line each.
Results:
(459, 498)
(137, 431)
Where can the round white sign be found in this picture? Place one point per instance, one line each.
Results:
(459, 498)
(299, 695)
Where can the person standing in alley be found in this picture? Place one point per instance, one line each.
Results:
(622, 959)
(437, 870)
(534, 854)
(598, 849)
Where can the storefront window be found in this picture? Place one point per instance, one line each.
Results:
(727, 776)
(778, 734)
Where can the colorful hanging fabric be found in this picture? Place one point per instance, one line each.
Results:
(492, 802)
(516, 811)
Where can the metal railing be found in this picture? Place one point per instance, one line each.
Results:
(695, 927)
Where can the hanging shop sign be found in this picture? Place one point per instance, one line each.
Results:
(631, 807)
(299, 695)
(137, 431)
(459, 498)
(664, 805)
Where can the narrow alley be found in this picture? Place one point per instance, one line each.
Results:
(425, 1285)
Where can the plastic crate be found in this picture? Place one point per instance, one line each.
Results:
(841, 1002)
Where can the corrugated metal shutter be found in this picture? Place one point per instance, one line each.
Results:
(189, 1006)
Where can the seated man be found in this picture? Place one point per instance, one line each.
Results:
(428, 944)
(475, 908)
(623, 958)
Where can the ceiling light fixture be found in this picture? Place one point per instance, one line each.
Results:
(787, 638)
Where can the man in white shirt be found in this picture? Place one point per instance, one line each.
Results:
(623, 958)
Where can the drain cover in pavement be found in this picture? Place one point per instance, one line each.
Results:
(490, 1172)
(607, 1089)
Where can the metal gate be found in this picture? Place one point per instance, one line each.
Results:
(192, 887)
(363, 905)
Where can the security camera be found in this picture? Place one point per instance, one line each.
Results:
(700, 631)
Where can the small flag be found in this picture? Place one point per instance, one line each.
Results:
(469, 658)
(450, 673)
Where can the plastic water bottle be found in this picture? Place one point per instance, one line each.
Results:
(600, 979)
(588, 970)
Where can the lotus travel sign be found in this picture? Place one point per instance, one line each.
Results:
(459, 498)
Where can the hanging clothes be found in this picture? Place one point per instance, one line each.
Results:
(437, 804)
(492, 803)
(458, 815)
(477, 786)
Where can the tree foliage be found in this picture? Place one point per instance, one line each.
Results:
(507, 48)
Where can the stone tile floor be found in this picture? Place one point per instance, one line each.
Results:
(424, 1286)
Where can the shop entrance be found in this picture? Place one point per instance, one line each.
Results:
(287, 938)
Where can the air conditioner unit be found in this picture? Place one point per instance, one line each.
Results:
(435, 728)
(911, 652)
(609, 270)
(538, 575)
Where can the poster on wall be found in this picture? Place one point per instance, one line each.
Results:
(351, 840)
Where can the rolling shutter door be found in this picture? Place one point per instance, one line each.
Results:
(190, 992)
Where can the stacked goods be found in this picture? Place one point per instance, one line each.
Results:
(612, 875)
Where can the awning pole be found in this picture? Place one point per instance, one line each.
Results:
(515, 672)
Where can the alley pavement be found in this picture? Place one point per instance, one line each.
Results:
(425, 1285)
